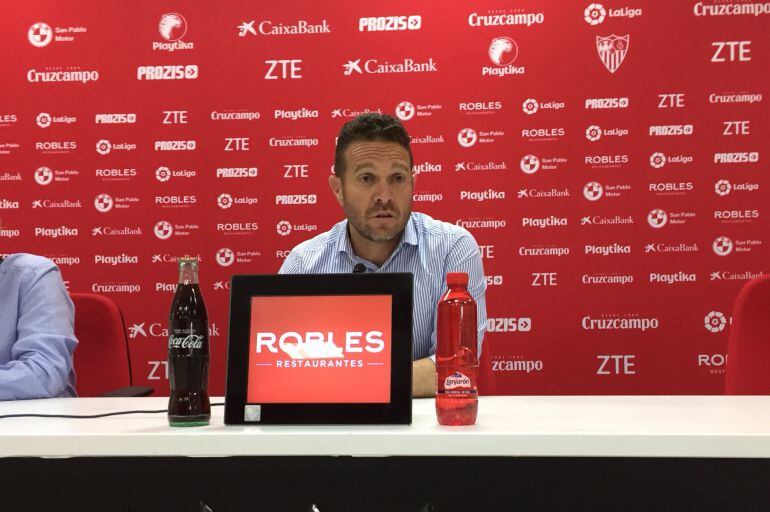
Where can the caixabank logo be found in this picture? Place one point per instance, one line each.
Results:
(342, 344)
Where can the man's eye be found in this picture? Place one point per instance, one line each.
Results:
(399, 178)
(365, 178)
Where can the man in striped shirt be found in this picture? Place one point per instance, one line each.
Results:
(374, 183)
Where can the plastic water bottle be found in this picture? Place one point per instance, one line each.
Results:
(457, 362)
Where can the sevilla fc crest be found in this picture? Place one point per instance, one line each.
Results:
(612, 50)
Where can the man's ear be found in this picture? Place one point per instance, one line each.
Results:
(335, 184)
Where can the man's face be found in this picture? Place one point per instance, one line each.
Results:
(376, 189)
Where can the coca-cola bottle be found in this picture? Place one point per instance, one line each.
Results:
(188, 351)
(456, 354)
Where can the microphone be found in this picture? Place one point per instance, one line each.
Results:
(359, 268)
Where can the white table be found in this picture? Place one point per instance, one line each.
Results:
(545, 426)
(594, 453)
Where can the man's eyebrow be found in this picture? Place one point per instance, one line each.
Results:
(362, 166)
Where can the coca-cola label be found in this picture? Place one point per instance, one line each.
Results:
(193, 341)
(457, 381)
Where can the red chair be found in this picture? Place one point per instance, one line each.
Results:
(748, 350)
(102, 361)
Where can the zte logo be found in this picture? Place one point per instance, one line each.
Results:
(731, 51)
(158, 370)
(736, 127)
(237, 143)
(295, 171)
(616, 364)
(283, 69)
(174, 117)
(671, 100)
(544, 279)
(523, 324)
(487, 252)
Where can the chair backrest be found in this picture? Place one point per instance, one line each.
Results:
(101, 358)
(748, 350)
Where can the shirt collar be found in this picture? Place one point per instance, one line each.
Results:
(344, 245)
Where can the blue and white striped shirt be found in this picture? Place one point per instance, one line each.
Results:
(428, 249)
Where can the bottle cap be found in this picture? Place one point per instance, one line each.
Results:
(457, 278)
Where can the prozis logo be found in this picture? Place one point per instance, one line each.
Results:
(341, 343)
(510, 324)
(668, 130)
(659, 160)
(612, 50)
(472, 108)
(375, 67)
(56, 74)
(285, 228)
(168, 72)
(502, 51)
(295, 28)
(128, 118)
(619, 322)
(514, 17)
(531, 106)
(41, 34)
(595, 14)
(742, 157)
(725, 187)
(44, 120)
(175, 145)
(296, 199)
(172, 27)
(595, 133)
(237, 172)
(606, 103)
(389, 23)
(164, 174)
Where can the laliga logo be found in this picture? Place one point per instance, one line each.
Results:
(318, 345)
(612, 50)
(529, 164)
(467, 137)
(162, 174)
(503, 51)
(103, 147)
(172, 26)
(593, 191)
(103, 203)
(40, 34)
(43, 120)
(657, 218)
(225, 201)
(594, 14)
(43, 176)
(530, 106)
(657, 160)
(225, 257)
(722, 246)
(715, 322)
(283, 228)
(593, 133)
(405, 111)
(163, 230)
(723, 187)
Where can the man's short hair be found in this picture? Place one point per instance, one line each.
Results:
(371, 127)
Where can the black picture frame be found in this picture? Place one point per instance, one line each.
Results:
(244, 287)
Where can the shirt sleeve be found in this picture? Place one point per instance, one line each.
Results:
(465, 256)
(41, 358)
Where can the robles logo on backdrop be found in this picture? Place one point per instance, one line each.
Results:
(340, 343)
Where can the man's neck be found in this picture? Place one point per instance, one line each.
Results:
(376, 252)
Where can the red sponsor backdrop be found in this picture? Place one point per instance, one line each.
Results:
(609, 159)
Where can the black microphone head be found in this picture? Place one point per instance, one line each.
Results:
(359, 268)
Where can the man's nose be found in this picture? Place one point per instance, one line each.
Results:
(383, 193)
